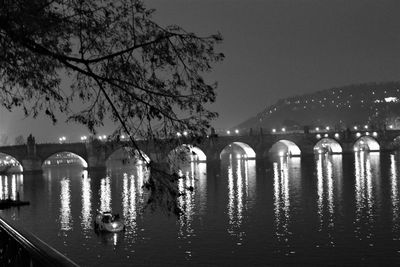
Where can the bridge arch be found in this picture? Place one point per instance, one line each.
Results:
(366, 143)
(187, 152)
(328, 145)
(285, 148)
(64, 157)
(125, 153)
(237, 147)
(396, 141)
(9, 164)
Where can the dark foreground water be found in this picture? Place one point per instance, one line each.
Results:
(323, 210)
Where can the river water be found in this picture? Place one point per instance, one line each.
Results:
(321, 210)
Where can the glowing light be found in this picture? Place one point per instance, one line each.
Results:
(185, 133)
(336, 135)
(367, 133)
(327, 128)
(228, 132)
(236, 131)
(355, 128)
(122, 136)
(283, 129)
(375, 134)
(366, 126)
(281, 153)
(178, 134)
(317, 128)
(391, 99)
(358, 134)
(326, 135)
(274, 130)
(83, 138)
(318, 136)
(391, 126)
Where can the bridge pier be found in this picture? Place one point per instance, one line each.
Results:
(96, 158)
(32, 165)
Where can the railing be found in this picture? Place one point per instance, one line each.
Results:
(20, 248)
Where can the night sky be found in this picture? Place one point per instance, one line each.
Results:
(273, 49)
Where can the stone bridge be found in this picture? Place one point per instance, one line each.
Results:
(258, 146)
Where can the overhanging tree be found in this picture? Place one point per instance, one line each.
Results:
(123, 66)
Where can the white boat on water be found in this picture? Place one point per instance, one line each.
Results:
(108, 222)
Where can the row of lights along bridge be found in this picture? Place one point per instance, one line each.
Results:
(84, 138)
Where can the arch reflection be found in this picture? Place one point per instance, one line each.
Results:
(366, 174)
(287, 177)
(65, 208)
(11, 186)
(192, 201)
(329, 177)
(241, 192)
(105, 194)
(132, 195)
(394, 193)
(86, 213)
(281, 198)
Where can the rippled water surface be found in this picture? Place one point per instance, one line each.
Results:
(322, 210)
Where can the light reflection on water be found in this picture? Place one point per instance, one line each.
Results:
(301, 214)
(241, 193)
(286, 174)
(65, 208)
(105, 194)
(86, 201)
(329, 183)
(395, 196)
(367, 175)
(11, 185)
(192, 186)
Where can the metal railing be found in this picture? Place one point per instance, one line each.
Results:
(20, 248)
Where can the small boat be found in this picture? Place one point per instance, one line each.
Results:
(108, 222)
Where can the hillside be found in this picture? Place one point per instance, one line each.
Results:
(374, 104)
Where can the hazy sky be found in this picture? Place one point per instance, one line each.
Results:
(274, 49)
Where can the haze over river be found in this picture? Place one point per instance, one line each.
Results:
(321, 210)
